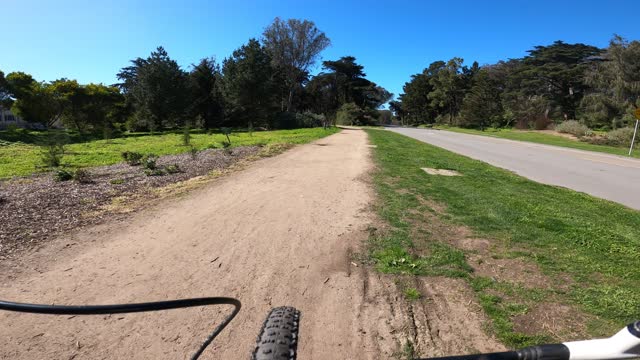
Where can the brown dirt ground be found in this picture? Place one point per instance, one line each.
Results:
(280, 232)
(37, 208)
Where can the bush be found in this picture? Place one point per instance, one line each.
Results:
(349, 114)
(173, 169)
(154, 172)
(226, 131)
(116, 181)
(574, 127)
(194, 152)
(132, 158)
(621, 136)
(150, 162)
(309, 120)
(62, 175)
(285, 120)
(51, 154)
(52, 149)
(82, 176)
(186, 136)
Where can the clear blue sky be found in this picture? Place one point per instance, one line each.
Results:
(91, 40)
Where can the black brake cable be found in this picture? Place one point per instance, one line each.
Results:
(133, 308)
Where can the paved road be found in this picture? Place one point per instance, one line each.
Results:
(606, 176)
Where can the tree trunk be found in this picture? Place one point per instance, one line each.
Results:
(290, 100)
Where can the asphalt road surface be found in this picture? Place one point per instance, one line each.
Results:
(610, 177)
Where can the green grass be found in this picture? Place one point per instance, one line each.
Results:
(19, 154)
(548, 139)
(592, 242)
(412, 294)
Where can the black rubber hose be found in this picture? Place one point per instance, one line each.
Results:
(133, 308)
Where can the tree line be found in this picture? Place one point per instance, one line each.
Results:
(553, 83)
(264, 83)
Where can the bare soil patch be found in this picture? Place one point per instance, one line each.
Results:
(560, 321)
(515, 271)
(449, 320)
(37, 208)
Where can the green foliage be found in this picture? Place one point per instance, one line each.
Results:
(157, 88)
(352, 114)
(132, 158)
(82, 176)
(172, 169)
(52, 149)
(226, 131)
(622, 136)
(149, 162)
(154, 172)
(343, 81)
(186, 135)
(194, 152)
(481, 106)
(412, 294)
(408, 351)
(615, 84)
(62, 175)
(307, 119)
(117, 181)
(207, 103)
(294, 46)
(248, 86)
(573, 127)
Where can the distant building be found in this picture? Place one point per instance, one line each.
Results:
(7, 118)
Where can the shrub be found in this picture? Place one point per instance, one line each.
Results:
(349, 114)
(173, 169)
(309, 120)
(285, 120)
(574, 127)
(149, 161)
(51, 154)
(62, 175)
(600, 140)
(132, 158)
(154, 172)
(52, 149)
(116, 181)
(194, 152)
(82, 176)
(226, 131)
(622, 136)
(186, 135)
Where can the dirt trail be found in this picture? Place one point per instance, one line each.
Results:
(269, 235)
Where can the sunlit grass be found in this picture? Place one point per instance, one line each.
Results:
(19, 156)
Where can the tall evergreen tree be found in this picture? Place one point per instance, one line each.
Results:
(248, 85)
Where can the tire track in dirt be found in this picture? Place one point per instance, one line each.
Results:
(269, 235)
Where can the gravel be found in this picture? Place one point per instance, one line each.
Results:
(34, 209)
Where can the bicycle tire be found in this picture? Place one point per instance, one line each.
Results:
(278, 339)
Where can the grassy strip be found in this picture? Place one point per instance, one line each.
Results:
(541, 138)
(589, 248)
(21, 156)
